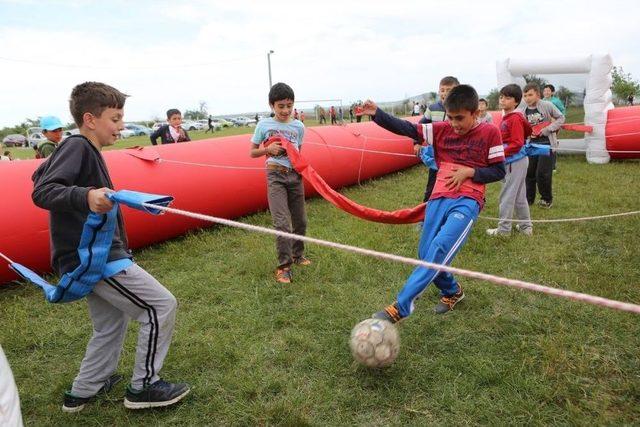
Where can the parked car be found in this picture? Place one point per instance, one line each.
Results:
(157, 125)
(138, 130)
(245, 121)
(15, 140)
(35, 136)
(126, 133)
(223, 122)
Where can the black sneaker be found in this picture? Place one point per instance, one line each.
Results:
(160, 393)
(73, 403)
(390, 314)
(447, 303)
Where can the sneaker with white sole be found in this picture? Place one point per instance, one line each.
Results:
(528, 231)
(496, 232)
(74, 403)
(158, 394)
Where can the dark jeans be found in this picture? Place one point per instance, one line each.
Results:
(286, 203)
(539, 177)
(431, 182)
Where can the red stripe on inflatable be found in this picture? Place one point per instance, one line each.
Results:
(218, 192)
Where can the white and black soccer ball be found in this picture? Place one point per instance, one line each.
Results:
(375, 343)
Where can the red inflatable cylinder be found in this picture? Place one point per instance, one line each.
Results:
(622, 132)
(216, 191)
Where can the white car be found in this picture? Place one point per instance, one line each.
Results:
(245, 121)
(191, 125)
(205, 123)
(126, 133)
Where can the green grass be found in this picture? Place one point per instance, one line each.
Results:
(260, 353)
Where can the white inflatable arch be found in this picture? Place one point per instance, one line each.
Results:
(598, 97)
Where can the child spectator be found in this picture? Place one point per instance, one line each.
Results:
(332, 113)
(284, 185)
(545, 120)
(6, 157)
(295, 114)
(52, 130)
(358, 112)
(351, 114)
(484, 116)
(515, 129)
(469, 155)
(171, 132)
(435, 113)
(549, 93)
(302, 116)
(72, 182)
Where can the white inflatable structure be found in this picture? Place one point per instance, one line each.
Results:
(598, 97)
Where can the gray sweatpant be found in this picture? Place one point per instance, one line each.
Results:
(130, 294)
(286, 203)
(513, 197)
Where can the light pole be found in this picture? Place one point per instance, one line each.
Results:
(269, 63)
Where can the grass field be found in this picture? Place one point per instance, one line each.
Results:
(260, 353)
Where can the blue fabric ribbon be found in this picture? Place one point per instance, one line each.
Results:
(93, 250)
(537, 149)
(428, 157)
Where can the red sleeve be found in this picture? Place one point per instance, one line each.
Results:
(494, 145)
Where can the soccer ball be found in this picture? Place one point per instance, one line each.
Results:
(375, 343)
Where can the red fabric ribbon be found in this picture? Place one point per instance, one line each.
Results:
(301, 165)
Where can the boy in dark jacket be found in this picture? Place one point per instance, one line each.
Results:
(171, 132)
(72, 182)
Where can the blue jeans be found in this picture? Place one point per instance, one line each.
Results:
(447, 225)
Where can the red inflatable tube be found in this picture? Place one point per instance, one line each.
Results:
(222, 192)
(622, 132)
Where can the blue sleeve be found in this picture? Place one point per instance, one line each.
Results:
(492, 173)
(397, 126)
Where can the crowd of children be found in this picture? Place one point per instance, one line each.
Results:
(455, 139)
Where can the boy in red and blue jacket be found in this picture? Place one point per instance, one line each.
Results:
(515, 129)
(468, 155)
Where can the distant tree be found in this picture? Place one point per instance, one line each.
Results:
(623, 84)
(492, 99)
(194, 115)
(532, 78)
(202, 107)
(565, 95)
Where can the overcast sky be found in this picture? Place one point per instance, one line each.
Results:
(173, 54)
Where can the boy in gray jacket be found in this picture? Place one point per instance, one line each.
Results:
(546, 120)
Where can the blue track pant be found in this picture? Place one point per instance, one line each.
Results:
(447, 223)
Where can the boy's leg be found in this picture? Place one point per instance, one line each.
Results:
(280, 215)
(458, 216)
(298, 213)
(519, 172)
(507, 201)
(103, 350)
(140, 296)
(544, 177)
(431, 182)
(530, 180)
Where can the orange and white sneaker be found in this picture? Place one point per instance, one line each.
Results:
(447, 303)
(302, 261)
(390, 313)
(283, 275)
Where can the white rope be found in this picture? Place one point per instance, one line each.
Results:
(576, 296)
(363, 150)
(209, 165)
(586, 218)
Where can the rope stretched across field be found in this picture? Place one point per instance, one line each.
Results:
(585, 218)
(576, 296)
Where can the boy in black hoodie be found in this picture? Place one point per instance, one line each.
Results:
(72, 182)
